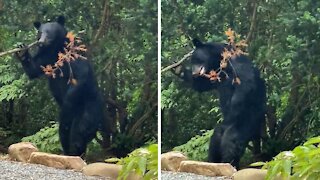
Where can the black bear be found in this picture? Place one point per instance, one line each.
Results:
(81, 106)
(242, 103)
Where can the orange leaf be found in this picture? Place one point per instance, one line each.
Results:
(60, 56)
(229, 32)
(49, 70)
(226, 55)
(81, 49)
(242, 43)
(70, 36)
(213, 73)
(73, 81)
(236, 81)
(49, 67)
(223, 64)
(59, 63)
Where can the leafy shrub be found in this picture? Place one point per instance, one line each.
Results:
(46, 140)
(8, 137)
(143, 161)
(197, 147)
(94, 150)
(123, 144)
(247, 158)
(4, 133)
(301, 163)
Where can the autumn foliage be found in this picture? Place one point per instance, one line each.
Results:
(234, 49)
(72, 52)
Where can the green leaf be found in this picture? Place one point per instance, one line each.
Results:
(257, 164)
(286, 168)
(314, 140)
(142, 163)
(275, 170)
(112, 160)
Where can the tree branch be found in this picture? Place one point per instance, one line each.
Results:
(253, 22)
(102, 23)
(185, 57)
(140, 121)
(18, 49)
(298, 110)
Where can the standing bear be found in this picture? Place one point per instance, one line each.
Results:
(81, 105)
(242, 104)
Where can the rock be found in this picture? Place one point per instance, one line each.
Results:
(57, 161)
(251, 174)
(170, 161)
(5, 157)
(106, 170)
(21, 151)
(207, 169)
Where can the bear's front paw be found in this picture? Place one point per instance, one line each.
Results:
(22, 54)
(178, 70)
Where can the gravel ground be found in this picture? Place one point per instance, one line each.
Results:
(10, 170)
(168, 175)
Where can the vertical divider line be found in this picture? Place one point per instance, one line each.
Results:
(159, 89)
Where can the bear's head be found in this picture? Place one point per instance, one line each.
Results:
(51, 34)
(206, 57)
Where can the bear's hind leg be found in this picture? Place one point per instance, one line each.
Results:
(84, 129)
(65, 124)
(233, 146)
(215, 143)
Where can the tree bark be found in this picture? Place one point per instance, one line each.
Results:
(252, 22)
(103, 23)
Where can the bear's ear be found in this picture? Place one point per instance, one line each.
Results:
(37, 24)
(61, 20)
(197, 43)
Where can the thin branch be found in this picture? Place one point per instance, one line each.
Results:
(253, 22)
(70, 74)
(18, 49)
(298, 113)
(122, 112)
(233, 69)
(185, 57)
(103, 22)
(140, 121)
(114, 103)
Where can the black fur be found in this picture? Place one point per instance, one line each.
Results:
(81, 106)
(242, 105)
